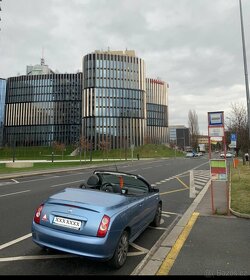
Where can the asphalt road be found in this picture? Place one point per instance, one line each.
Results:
(20, 197)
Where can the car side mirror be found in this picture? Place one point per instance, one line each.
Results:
(124, 191)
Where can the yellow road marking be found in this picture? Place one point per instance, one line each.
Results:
(182, 182)
(172, 255)
(173, 191)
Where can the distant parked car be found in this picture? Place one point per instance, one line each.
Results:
(190, 154)
(228, 155)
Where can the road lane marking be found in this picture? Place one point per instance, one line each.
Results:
(141, 250)
(5, 183)
(182, 175)
(155, 247)
(173, 253)
(172, 213)
(54, 176)
(182, 182)
(15, 181)
(2, 195)
(15, 241)
(53, 186)
(163, 181)
(21, 258)
(173, 191)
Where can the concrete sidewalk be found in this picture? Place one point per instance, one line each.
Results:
(203, 243)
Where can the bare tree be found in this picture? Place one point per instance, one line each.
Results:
(237, 123)
(193, 128)
(59, 147)
(105, 147)
(83, 145)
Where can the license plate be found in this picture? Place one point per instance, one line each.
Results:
(65, 222)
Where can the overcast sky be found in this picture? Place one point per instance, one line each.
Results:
(193, 45)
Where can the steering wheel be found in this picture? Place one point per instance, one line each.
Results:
(107, 187)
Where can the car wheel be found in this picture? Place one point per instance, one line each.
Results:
(157, 219)
(121, 251)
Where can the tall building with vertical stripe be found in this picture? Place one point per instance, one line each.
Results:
(111, 102)
(114, 99)
(157, 111)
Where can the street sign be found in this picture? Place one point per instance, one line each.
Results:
(215, 131)
(233, 141)
(218, 169)
(215, 118)
(233, 137)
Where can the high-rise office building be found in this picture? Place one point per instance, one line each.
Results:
(110, 104)
(41, 109)
(179, 136)
(114, 99)
(157, 111)
(2, 104)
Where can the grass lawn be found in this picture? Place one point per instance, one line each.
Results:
(49, 165)
(240, 188)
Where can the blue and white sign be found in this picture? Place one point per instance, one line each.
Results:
(215, 118)
(233, 137)
(233, 141)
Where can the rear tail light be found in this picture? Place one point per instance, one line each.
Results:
(38, 214)
(103, 227)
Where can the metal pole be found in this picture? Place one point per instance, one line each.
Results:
(246, 73)
(192, 192)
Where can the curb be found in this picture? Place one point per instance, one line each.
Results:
(48, 171)
(157, 259)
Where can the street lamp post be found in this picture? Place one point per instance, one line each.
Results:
(246, 74)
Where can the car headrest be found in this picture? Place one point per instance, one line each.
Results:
(93, 180)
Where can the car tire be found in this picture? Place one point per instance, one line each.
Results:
(157, 219)
(121, 251)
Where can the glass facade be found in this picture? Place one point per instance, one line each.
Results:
(41, 109)
(110, 103)
(157, 111)
(179, 136)
(114, 99)
(2, 104)
(183, 139)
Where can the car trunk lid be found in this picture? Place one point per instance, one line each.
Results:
(79, 210)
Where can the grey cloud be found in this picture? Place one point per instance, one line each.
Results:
(194, 45)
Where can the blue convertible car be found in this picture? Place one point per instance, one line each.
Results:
(100, 218)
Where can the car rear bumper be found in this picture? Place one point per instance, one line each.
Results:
(87, 246)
